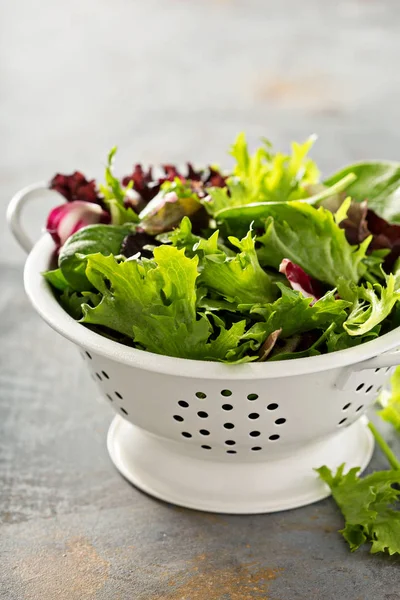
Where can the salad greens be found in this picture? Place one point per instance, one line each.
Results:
(369, 504)
(266, 262)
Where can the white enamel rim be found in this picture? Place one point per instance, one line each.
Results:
(43, 300)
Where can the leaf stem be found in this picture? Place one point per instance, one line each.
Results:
(391, 457)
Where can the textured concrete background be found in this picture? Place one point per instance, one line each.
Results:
(165, 81)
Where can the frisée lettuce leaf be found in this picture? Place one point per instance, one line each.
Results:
(312, 239)
(155, 301)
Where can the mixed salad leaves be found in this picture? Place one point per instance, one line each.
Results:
(266, 262)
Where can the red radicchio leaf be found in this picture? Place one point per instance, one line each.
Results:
(147, 187)
(362, 222)
(75, 187)
(68, 218)
(300, 281)
(355, 224)
(385, 235)
(134, 242)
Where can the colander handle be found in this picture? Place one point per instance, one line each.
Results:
(388, 359)
(349, 376)
(15, 209)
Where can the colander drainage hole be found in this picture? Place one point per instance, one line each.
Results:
(388, 369)
(274, 437)
(105, 375)
(178, 418)
(359, 387)
(252, 397)
(183, 404)
(201, 395)
(226, 393)
(110, 398)
(227, 407)
(369, 388)
(204, 432)
(346, 406)
(98, 376)
(255, 433)
(229, 425)
(230, 442)
(342, 421)
(377, 370)
(206, 447)
(118, 395)
(280, 421)
(202, 414)
(256, 448)
(88, 355)
(123, 410)
(231, 452)
(272, 406)
(360, 408)
(186, 434)
(254, 416)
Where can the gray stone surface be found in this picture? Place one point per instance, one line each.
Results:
(165, 81)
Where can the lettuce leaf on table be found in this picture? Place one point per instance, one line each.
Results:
(367, 506)
(155, 302)
(312, 239)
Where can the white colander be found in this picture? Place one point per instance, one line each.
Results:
(216, 437)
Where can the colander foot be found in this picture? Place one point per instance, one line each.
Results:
(159, 468)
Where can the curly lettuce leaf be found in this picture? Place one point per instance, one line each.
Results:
(115, 194)
(310, 238)
(373, 304)
(367, 505)
(72, 302)
(293, 313)
(237, 219)
(237, 277)
(264, 176)
(156, 303)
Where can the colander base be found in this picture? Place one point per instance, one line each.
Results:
(158, 468)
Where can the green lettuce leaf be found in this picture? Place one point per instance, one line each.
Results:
(339, 339)
(237, 219)
(310, 238)
(378, 182)
(367, 505)
(237, 277)
(115, 194)
(293, 313)
(105, 239)
(264, 176)
(56, 279)
(374, 302)
(72, 302)
(156, 303)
